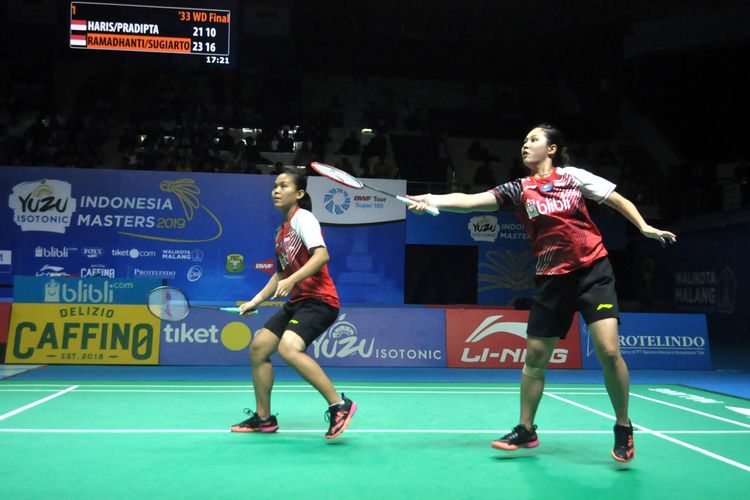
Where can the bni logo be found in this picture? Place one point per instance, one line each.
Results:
(337, 201)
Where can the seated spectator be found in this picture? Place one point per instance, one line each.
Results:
(380, 169)
(484, 177)
(517, 171)
(378, 146)
(285, 143)
(350, 146)
(346, 165)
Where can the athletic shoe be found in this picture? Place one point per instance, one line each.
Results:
(519, 437)
(256, 424)
(624, 450)
(339, 416)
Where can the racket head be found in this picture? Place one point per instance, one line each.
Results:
(337, 175)
(168, 303)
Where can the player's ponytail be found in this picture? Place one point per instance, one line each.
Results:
(561, 157)
(300, 181)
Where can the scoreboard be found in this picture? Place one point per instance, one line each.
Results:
(203, 32)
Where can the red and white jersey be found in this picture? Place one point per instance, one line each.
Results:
(553, 209)
(294, 240)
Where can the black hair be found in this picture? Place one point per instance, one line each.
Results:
(555, 136)
(300, 182)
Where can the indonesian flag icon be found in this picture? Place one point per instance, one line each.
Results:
(77, 40)
(77, 25)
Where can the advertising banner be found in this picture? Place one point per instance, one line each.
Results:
(212, 235)
(496, 338)
(657, 342)
(82, 321)
(373, 337)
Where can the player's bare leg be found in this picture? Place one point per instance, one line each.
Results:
(538, 353)
(616, 376)
(264, 344)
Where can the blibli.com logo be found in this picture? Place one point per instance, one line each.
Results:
(337, 201)
(101, 292)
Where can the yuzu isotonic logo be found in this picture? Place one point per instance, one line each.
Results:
(45, 205)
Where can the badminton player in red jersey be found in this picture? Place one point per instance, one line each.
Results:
(573, 272)
(313, 306)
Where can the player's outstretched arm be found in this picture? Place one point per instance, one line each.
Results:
(629, 210)
(455, 202)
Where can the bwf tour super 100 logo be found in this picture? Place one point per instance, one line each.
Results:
(45, 205)
(176, 214)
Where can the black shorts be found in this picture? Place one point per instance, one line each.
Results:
(308, 318)
(590, 291)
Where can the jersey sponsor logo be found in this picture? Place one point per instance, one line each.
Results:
(546, 188)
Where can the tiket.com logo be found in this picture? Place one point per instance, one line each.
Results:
(194, 215)
(45, 205)
(491, 325)
(337, 201)
(235, 336)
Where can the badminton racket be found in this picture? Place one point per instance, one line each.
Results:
(171, 304)
(349, 180)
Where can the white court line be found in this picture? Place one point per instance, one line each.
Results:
(36, 403)
(349, 431)
(293, 391)
(282, 385)
(660, 435)
(698, 412)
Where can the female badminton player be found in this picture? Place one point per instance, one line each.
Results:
(302, 274)
(573, 272)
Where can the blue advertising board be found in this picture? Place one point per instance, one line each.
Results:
(209, 234)
(361, 336)
(657, 342)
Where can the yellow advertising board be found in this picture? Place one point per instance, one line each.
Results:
(82, 334)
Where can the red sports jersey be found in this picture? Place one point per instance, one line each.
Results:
(563, 235)
(294, 240)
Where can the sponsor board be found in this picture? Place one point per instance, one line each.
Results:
(4, 321)
(405, 337)
(657, 341)
(82, 321)
(496, 338)
(83, 334)
(343, 205)
(359, 337)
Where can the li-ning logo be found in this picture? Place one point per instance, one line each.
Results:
(45, 205)
(337, 201)
(490, 326)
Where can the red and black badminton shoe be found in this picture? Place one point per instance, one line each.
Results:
(256, 424)
(624, 450)
(339, 416)
(519, 437)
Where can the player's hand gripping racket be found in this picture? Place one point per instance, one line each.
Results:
(349, 180)
(171, 304)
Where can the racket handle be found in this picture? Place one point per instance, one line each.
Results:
(236, 310)
(408, 201)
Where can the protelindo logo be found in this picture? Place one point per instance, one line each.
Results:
(490, 326)
(45, 205)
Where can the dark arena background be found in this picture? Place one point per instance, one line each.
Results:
(139, 143)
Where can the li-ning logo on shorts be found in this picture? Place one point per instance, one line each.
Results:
(337, 201)
(604, 306)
